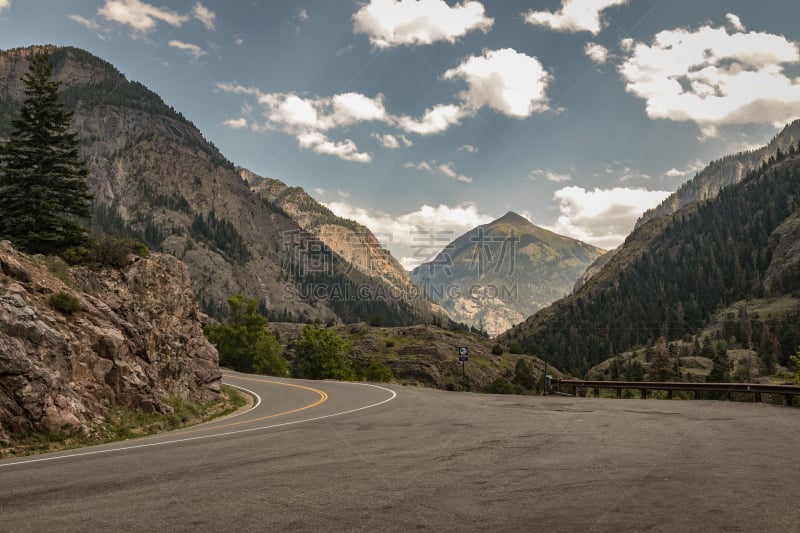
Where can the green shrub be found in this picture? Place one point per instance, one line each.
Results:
(106, 252)
(65, 303)
(497, 350)
(322, 354)
(377, 371)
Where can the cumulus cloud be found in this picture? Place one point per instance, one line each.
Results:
(308, 119)
(735, 22)
(4, 5)
(549, 175)
(714, 77)
(692, 168)
(418, 236)
(602, 217)
(90, 24)
(236, 123)
(445, 169)
(302, 14)
(191, 49)
(596, 52)
(140, 16)
(204, 15)
(392, 141)
(435, 120)
(508, 81)
(574, 16)
(390, 23)
(468, 148)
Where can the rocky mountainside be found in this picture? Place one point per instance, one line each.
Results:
(732, 254)
(497, 274)
(352, 241)
(157, 178)
(719, 174)
(136, 341)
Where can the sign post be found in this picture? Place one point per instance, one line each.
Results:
(463, 356)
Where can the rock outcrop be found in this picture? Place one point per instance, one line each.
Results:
(136, 341)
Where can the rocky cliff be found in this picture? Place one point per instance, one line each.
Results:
(136, 341)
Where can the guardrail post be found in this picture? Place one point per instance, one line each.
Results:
(597, 392)
(788, 400)
(669, 394)
(619, 393)
(644, 394)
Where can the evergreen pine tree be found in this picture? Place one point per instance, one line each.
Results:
(43, 189)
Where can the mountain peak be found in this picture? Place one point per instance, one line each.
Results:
(513, 218)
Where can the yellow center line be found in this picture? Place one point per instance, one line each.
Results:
(323, 397)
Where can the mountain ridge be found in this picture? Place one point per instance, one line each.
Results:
(498, 273)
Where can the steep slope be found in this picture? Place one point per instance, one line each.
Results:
(719, 174)
(349, 239)
(136, 342)
(155, 177)
(675, 272)
(499, 273)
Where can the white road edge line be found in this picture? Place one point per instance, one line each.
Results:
(248, 391)
(202, 437)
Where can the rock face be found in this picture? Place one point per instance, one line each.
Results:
(136, 341)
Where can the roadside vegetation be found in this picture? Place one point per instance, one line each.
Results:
(122, 424)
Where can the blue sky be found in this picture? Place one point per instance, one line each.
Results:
(432, 116)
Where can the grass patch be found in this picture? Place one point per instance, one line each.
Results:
(124, 424)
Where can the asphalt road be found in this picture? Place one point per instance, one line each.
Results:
(334, 456)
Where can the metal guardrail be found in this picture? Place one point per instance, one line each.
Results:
(757, 389)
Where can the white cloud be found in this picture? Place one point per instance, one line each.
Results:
(549, 175)
(468, 148)
(238, 40)
(435, 120)
(715, 78)
(692, 168)
(419, 166)
(448, 170)
(204, 15)
(5, 4)
(574, 16)
(390, 23)
(319, 191)
(415, 237)
(345, 149)
(236, 123)
(308, 119)
(445, 169)
(302, 14)
(342, 194)
(735, 22)
(596, 52)
(139, 15)
(90, 24)
(602, 217)
(508, 81)
(191, 49)
(391, 141)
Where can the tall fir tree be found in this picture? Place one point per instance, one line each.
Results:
(43, 189)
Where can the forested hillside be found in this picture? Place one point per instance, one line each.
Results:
(674, 273)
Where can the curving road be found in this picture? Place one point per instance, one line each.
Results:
(346, 456)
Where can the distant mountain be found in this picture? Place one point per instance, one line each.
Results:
(157, 178)
(726, 171)
(733, 260)
(499, 273)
